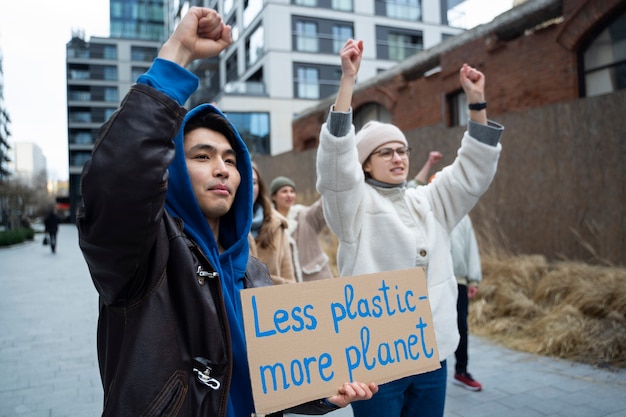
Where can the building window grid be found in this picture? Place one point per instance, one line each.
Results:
(308, 38)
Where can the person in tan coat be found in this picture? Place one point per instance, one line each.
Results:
(269, 241)
(305, 225)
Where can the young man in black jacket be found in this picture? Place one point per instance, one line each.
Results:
(164, 223)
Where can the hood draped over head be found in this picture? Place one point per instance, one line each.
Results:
(374, 134)
(233, 235)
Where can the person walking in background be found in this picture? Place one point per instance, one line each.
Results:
(51, 223)
(305, 225)
(269, 240)
(382, 225)
(163, 225)
(468, 272)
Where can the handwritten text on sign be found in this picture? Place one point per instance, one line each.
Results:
(305, 340)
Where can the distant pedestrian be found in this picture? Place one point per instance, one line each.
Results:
(52, 228)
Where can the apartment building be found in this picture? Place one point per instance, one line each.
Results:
(29, 165)
(284, 56)
(4, 131)
(101, 70)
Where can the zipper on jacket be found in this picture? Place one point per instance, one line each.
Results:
(203, 275)
(202, 369)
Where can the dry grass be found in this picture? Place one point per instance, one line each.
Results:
(569, 310)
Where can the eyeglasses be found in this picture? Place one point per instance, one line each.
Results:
(386, 154)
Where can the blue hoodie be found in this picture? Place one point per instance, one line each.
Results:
(234, 226)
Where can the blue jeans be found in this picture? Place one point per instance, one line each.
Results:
(422, 395)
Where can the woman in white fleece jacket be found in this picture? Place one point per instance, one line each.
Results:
(382, 225)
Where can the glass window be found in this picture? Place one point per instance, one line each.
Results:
(110, 94)
(251, 10)
(255, 46)
(341, 33)
(343, 5)
(81, 138)
(80, 116)
(142, 53)
(604, 60)
(306, 36)
(254, 129)
(135, 72)
(110, 73)
(371, 111)
(75, 95)
(110, 52)
(79, 74)
(228, 5)
(232, 72)
(397, 44)
(399, 9)
(79, 158)
(307, 81)
(458, 111)
(108, 113)
(234, 31)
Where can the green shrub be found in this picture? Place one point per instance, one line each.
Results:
(11, 237)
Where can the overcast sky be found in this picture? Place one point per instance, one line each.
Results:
(33, 35)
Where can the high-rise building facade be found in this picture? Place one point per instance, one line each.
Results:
(4, 131)
(101, 70)
(284, 57)
(30, 166)
(4, 153)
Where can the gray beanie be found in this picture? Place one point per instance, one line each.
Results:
(374, 134)
(280, 182)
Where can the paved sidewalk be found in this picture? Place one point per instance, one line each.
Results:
(48, 362)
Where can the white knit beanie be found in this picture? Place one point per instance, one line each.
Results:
(374, 134)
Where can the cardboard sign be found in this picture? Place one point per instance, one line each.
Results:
(305, 340)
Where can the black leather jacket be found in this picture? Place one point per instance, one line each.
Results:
(163, 338)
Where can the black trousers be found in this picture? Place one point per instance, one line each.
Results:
(462, 310)
(53, 241)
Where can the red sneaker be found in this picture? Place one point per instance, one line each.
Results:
(465, 380)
